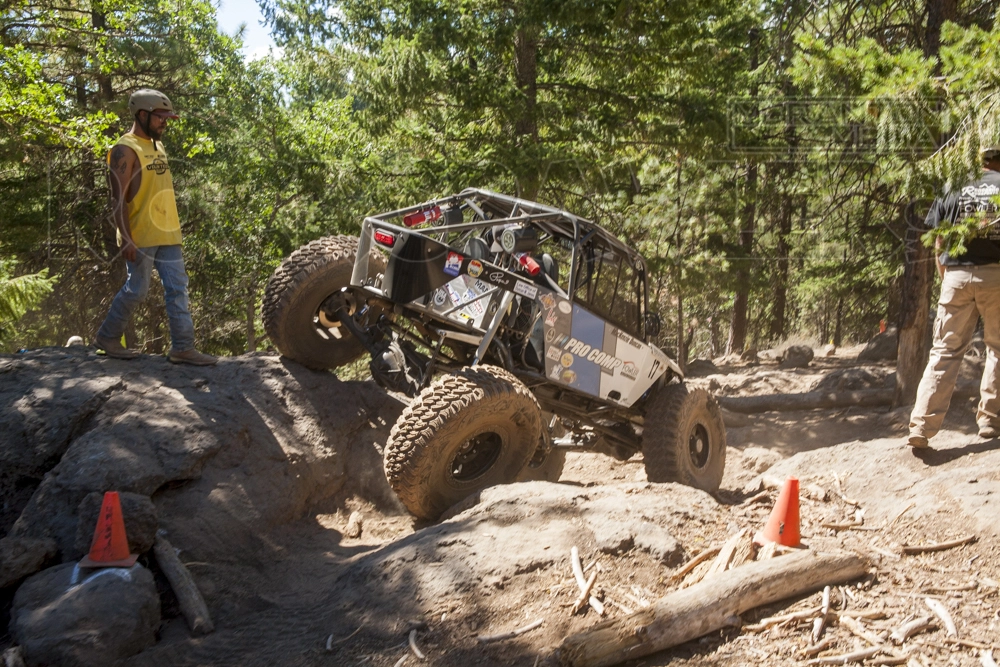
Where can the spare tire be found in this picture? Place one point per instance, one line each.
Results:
(292, 299)
(684, 438)
(465, 432)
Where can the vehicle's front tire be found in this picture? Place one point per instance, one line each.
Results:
(684, 438)
(293, 296)
(465, 432)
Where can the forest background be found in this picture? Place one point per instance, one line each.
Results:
(773, 160)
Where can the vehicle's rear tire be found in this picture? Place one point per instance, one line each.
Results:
(465, 432)
(293, 296)
(684, 438)
(548, 469)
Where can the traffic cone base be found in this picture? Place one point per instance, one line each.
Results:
(110, 545)
(783, 525)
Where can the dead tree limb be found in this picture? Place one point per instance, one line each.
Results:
(707, 606)
(807, 401)
(940, 546)
(188, 596)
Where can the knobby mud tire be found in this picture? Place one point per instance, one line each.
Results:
(293, 296)
(676, 418)
(445, 422)
(548, 470)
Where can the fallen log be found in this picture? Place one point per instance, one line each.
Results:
(707, 606)
(807, 401)
(188, 597)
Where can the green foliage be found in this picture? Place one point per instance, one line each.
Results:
(19, 294)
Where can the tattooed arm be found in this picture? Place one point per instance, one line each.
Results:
(124, 166)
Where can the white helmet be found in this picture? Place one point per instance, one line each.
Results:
(147, 99)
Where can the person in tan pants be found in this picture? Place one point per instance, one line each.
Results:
(970, 289)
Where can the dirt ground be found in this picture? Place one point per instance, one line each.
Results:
(315, 596)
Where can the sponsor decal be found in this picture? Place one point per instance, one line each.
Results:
(453, 264)
(439, 297)
(551, 318)
(560, 340)
(556, 371)
(606, 361)
(456, 298)
(550, 335)
(481, 286)
(525, 289)
(629, 370)
(548, 301)
(476, 307)
(568, 376)
(566, 360)
(628, 340)
(475, 268)
(500, 279)
(554, 353)
(565, 307)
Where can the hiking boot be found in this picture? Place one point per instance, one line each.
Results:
(192, 357)
(917, 441)
(113, 348)
(989, 431)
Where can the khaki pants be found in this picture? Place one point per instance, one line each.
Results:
(967, 292)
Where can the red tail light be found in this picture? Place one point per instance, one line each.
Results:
(529, 264)
(385, 238)
(420, 217)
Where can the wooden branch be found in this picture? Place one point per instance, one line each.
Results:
(824, 611)
(486, 639)
(770, 621)
(574, 556)
(694, 562)
(707, 606)
(581, 600)
(726, 554)
(807, 401)
(856, 656)
(941, 612)
(940, 546)
(907, 630)
(188, 597)
(412, 639)
(810, 651)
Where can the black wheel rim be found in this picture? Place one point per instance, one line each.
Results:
(699, 446)
(476, 456)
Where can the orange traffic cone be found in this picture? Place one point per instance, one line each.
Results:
(783, 525)
(110, 545)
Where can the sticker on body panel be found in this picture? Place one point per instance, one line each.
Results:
(453, 264)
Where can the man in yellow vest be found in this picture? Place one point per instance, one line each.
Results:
(149, 231)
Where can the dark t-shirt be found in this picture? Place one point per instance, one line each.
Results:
(976, 198)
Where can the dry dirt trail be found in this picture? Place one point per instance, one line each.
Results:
(254, 467)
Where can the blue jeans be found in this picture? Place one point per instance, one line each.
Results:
(169, 264)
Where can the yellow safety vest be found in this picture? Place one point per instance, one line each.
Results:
(152, 213)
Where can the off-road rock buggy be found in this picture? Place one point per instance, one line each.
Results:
(520, 332)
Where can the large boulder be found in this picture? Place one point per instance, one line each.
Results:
(23, 556)
(797, 356)
(882, 347)
(76, 617)
(701, 368)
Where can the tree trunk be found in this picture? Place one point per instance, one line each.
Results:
(918, 284)
(707, 606)
(938, 11)
(251, 319)
(777, 329)
(748, 218)
(526, 77)
(681, 351)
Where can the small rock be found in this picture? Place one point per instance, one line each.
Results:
(830, 350)
(613, 538)
(354, 525)
(750, 355)
(106, 616)
(882, 347)
(21, 557)
(138, 512)
(660, 544)
(796, 356)
(701, 368)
